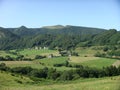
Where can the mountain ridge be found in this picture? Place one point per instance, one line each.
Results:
(56, 29)
(65, 37)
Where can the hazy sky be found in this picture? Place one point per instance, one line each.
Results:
(37, 13)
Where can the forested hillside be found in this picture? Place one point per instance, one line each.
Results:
(65, 37)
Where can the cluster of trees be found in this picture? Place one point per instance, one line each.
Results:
(18, 58)
(109, 52)
(39, 57)
(67, 64)
(51, 73)
(67, 53)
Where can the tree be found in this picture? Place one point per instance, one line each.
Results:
(2, 58)
(50, 73)
(22, 70)
(38, 73)
(39, 57)
(20, 57)
(8, 58)
(105, 49)
(3, 67)
(66, 63)
(67, 75)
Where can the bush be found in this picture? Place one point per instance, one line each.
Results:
(66, 64)
(2, 58)
(75, 54)
(58, 65)
(39, 73)
(67, 75)
(98, 54)
(53, 74)
(22, 70)
(105, 49)
(20, 57)
(78, 66)
(39, 57)
(3, 67)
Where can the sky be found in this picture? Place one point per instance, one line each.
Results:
(37, 13)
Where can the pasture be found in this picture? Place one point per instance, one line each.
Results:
(93, 61)
(31, 53)
(9, 82)
(39, 64)
(82, 59)
(5, 53)
(86, 57)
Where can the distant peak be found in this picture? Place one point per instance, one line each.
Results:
(68, 26)
(54, 27)
(23, 27)
(1, 27)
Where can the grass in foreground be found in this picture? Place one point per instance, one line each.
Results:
(9, 82)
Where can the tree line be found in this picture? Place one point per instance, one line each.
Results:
(53, 74)
(109, 51)
(18, 58)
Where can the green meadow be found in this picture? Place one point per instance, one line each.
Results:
(9, 81)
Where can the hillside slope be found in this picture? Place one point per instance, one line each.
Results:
(65, 37)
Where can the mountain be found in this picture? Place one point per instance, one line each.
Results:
(52, 36)
(57, 29)
(4, 33)
(111, 36)
(7, 38)
(22, 31)
(71, 30)
(54, 27)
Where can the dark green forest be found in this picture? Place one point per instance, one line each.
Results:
(64, 37)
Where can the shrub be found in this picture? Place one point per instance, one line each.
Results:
(98, 54)
(2, 58)
(39, 57)
(67, 75)
(22, 70)
(105, 49)
(3, 67)
(58, 65)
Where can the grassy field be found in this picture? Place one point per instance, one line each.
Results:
(9, 82)
(99, 63)
(4, 53)
(32, 53)
(47, 62)
(29, 53)
(51, 61)
(88, 51)
(93, 61)
(82, 59)
(90, 61)
(86, 58)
